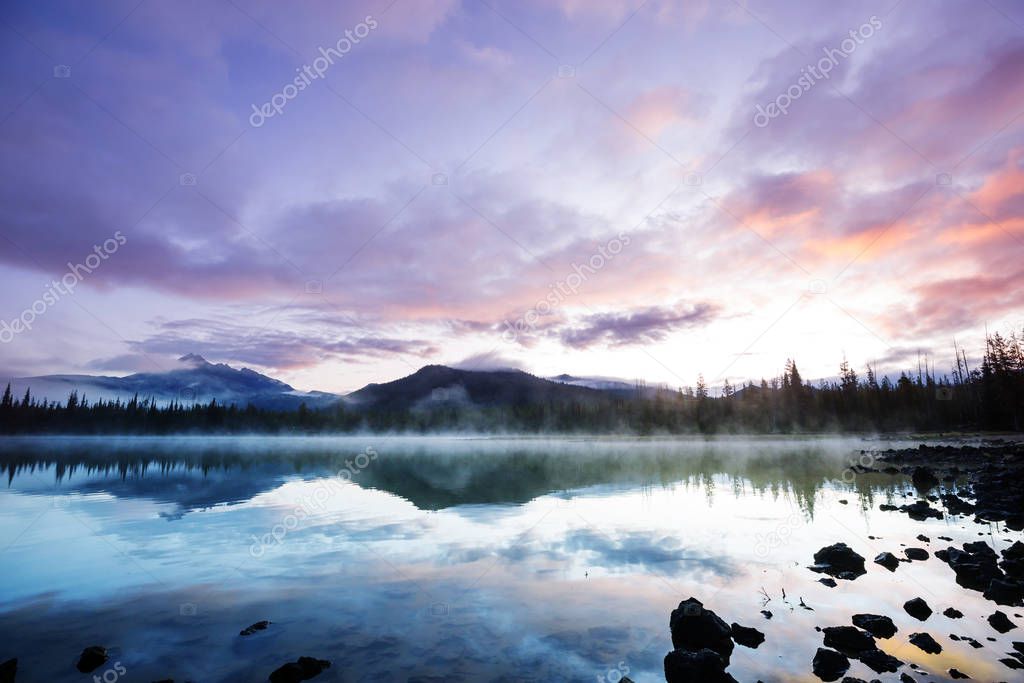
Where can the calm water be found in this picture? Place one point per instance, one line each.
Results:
(452, 559)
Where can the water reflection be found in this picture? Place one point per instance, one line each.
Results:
(457, 559)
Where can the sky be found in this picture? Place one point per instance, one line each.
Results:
(337, 193)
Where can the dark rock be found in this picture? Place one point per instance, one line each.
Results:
(695, 628)
(957, 505)
(879, 661)
(682, 666)
(1018, 646)
(1000, 622)
(303, 669)
(917, 554)
(875, 624)
(92, 658)
(920, 510)
(766, 614)
(258, 626)
(885, 507)
(746, 636)
(829, 665)
(953, 613)
(923, 538)
(839, 561)
(831, 583)
(8, 670)
(1008, 592)
(918, 609)
(954, 673)
(1011, 663)
(975, 566)
(906, 678)
(887, 560)
(848, 640)
(926, 643)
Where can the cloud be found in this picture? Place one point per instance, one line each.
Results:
(643, 326)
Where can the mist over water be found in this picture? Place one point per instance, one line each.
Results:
(452, 558)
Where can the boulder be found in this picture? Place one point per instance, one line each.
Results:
(683, 666)
(887, 560)
(955, 673)
(695, 628)
(258, 626)
(300, 670)
(839, 561)
(953, 613)
(877, 625)
(920, 510)
(916, 554)
(746, 636)
(879, 661)
(1007, 591)
(925, 642)
(918, 609)
(829, 665)
(1000, 622)
(848, 639)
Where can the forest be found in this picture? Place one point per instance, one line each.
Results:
(989, 397)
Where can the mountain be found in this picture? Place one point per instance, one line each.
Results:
(439, 385)
(193, 379)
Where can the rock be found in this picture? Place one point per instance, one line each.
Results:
(831, 583)
(303, 669)
(975, 566)
(258, 626)
(92, 658)
(953, 613)
(848, 640)
(879, 661)
(1017, 645)
(829, 665)
(1008, 592)
(923, 538)
(954, 673)
(957, 505)
(926, 643)
(1000, 622)
(1011, 663)
(839, 561)
(920, 510)
(906, 678)
(695, 628)
(917, 554)
(887, 560)
(682, 666)
(8, 670)
(875, 624)
(885, 507)
(918, 609)
(746, 636)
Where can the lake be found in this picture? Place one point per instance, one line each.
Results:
(456, 559)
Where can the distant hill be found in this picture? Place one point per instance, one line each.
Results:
(439, 385)
(192, 380)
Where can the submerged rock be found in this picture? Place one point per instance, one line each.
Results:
(918, 609)
(875, 624)
(926, 643)
(303, 669)
(258, 626)
(746, 636)
(683, 666)
(92, 658)
(829, 665)
(840, 561)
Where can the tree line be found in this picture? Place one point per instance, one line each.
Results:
(987, 397)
